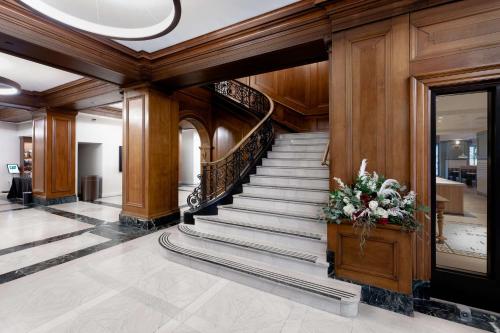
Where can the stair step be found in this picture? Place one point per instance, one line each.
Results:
(301, 141)
(304, 135)
(286, 193)
(255, 231)
(191, 231)
(295, 155)
(299, 208)
(286, 221)
(325, 294)
(260, 252)
(322, 183)
(295, 163)
(299, 148)
(311, 172)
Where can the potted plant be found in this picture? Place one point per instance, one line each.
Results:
(380, 214)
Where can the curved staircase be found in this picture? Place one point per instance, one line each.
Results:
(270, 237)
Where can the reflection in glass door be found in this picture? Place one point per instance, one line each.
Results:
(461, 181)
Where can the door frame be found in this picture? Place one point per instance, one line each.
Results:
(464, 288)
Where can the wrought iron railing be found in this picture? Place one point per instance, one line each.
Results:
(217, 178)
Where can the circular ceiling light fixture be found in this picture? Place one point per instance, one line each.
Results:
(117, 19)
(9, 87)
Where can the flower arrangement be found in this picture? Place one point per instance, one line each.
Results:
(372, 200)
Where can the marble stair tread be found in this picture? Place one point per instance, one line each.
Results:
(269, 213)
(299, 148)
(287, 193)
(291, 188)
(305, 135)
(290, 181)
(301, 141)
(334, 296)
(256, 246)
(317, 237)
(247, 196)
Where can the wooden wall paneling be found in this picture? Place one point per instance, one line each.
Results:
(134, 151)
(370, 117)
(54, 144)
(150, 154)
(62, 154)
(455, 37)
(39, 146)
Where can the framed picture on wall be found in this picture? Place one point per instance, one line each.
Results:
(120, 149)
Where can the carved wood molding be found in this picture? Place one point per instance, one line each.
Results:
(30, 36)
(298, 31)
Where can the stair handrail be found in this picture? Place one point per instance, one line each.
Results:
(326, 154)
(218, 178)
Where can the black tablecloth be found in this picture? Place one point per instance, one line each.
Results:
(19, 185)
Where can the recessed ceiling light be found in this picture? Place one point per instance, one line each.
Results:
(9, 87)
(126, 20)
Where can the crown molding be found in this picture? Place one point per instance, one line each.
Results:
(30, 36)
(289, 36)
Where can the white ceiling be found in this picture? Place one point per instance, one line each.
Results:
(31, 75)
(200, 17)
(461, 116)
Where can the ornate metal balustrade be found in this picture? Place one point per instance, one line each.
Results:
(218, 178)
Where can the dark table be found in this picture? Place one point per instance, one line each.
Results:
(19, 185)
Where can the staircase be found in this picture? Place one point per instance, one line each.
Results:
(270, 237)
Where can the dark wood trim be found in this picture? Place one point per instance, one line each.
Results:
(104, 111)
(289, 36)
(26, 100)
(83, 94)
(27, 35)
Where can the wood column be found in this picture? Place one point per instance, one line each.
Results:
(150, 157)
(54, 156)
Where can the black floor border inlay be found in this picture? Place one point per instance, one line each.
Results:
(109, 204)
(29, 245)
(115, 232)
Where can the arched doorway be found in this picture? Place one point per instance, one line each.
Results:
(194, 148)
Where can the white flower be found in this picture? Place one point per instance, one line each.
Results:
(358, 195)
(339, 182)
(346, 200)
(385, 202)
(349, 209)
(382, 213)
(362, 168)
(373, 205)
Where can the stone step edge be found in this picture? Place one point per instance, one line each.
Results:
(286, 188)
(268, 213)
(254, 197)
(312, 287)
(289, 177)
(293, 159)
(187, 230)
(274, 230)
(293, 168)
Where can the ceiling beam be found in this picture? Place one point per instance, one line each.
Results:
(29, 36)
(82, 94)
(104, 112)
(26, 101)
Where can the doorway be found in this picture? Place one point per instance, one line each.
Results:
(89, 163)
(464, 199)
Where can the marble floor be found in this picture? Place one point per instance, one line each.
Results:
(69, 268)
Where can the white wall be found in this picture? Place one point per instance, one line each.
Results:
(108, 132)
(189, 156)
(89, 161)
(9, 152)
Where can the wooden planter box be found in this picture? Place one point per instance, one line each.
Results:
(386, 261)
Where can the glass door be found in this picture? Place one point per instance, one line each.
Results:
(465, 200)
